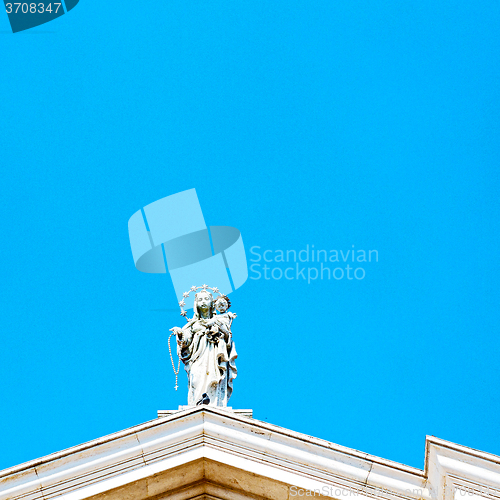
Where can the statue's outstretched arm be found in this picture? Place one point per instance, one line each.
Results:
(184, 335)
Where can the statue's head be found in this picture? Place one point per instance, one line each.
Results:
(203, 304)
(222, 303)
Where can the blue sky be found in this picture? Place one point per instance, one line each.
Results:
(373, 124)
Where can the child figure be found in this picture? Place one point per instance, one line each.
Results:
(223, 320)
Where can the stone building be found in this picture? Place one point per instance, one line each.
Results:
(206, 452)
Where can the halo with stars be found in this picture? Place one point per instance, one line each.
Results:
(182, 303)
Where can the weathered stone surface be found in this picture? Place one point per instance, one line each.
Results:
(210, 452)
(241, 413)
(205, 345)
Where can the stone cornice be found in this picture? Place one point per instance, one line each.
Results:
(285, 458)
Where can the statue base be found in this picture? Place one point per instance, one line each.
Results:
(242, 413)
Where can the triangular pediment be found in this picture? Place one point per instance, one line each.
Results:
(207, 452)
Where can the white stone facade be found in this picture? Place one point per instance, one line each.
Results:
(212, 453)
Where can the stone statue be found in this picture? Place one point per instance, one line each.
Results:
(206, 348)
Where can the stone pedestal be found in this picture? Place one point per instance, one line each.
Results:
(242, 413)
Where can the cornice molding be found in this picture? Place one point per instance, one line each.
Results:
(285, 458)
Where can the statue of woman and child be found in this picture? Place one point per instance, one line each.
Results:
(206, 348)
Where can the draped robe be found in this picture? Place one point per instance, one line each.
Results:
(210, 366)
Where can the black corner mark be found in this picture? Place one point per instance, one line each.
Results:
(205, 400)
